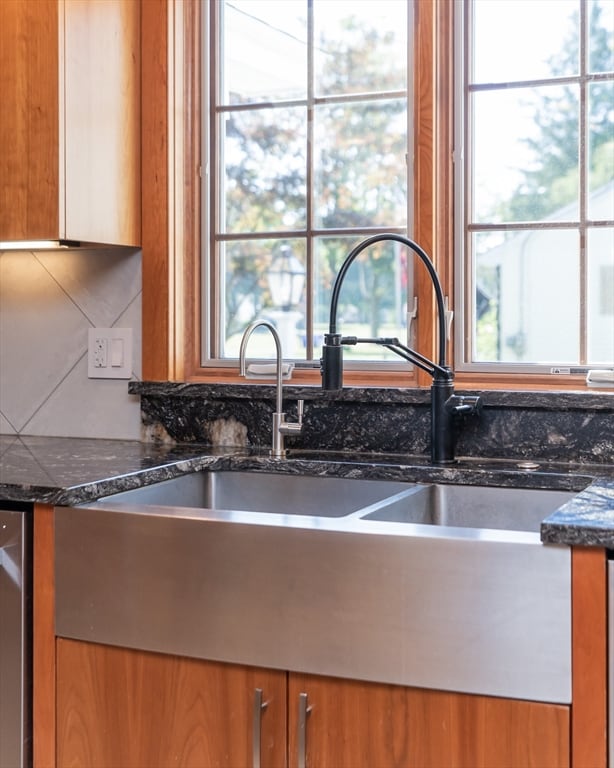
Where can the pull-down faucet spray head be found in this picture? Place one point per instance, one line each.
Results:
(332, 357)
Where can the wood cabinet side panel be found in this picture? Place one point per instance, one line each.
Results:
(102, 121)
(43, 638)
(29, 120)
(133, 708)
(157, 304)
(589, 658)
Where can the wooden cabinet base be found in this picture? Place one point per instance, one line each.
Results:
(134, 709)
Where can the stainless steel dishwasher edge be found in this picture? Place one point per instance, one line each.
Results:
(15, 635)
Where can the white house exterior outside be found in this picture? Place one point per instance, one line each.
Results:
(539, 296)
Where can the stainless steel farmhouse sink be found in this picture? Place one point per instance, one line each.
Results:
(459, 506)
(442, 587)
(467, 506)
(265, 493)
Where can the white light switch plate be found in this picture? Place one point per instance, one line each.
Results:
(109, 353)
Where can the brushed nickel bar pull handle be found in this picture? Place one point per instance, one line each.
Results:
(303, 711)
(259, 705)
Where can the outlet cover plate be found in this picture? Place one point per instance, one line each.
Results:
(109, 353)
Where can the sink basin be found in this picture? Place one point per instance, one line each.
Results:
(262, 492)
(466, 506)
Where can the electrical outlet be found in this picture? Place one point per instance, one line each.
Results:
(109, 353)
(99, 352)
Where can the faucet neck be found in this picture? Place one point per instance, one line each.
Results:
(279, 359)
(413, 246)
(281, 427)
(332, 352)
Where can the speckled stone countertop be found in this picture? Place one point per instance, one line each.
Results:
(66, 471)
(588, 519)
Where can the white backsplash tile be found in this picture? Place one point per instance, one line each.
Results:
(42, 335)
(48, 300)
(106, 411)
(5, 427)
(102, 283)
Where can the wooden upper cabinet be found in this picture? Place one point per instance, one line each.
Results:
(70, 121)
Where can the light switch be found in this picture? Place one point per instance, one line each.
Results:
(117, 352)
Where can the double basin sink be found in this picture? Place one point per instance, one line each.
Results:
(457, 506)
(429, 585)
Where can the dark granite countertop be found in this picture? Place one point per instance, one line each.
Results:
(66, 471)
(588, 519)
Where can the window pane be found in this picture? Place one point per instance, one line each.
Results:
(264, 169)
(601, 35)
(265, 51)
(254, 289)
(527, 297)
(329, 253)
(525, 154)
(310, 135)
(360, 47)
(535, 292)
(601, 151)
(601, 296)
(360, 169)
(527, 40)
(373, 299)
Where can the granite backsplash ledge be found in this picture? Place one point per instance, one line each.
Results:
(549, 426)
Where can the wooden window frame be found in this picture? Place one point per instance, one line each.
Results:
(172, 280)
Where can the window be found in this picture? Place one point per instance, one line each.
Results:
(471, 171)
(535, 199)
(308, 143)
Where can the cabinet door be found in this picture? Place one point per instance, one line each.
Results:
(134, 709)
(366, 725)
(29, 120)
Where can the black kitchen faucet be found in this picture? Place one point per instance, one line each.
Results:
(446, 406)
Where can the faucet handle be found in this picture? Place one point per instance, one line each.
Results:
(292, 427)
(464, 405)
